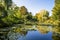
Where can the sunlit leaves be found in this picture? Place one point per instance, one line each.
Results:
(23, 10)
(42, 15)
(17, 13)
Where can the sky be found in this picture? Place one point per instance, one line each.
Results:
(35, 6)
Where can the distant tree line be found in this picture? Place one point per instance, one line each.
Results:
(11, 14)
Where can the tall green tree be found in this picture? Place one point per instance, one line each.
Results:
(56, 10)
(56, 17)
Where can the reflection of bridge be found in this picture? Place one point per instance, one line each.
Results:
(4, 31)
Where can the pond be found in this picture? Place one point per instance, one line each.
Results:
(31, 35)
(36, 35)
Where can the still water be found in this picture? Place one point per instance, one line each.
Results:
(32, 35)
(36, 35)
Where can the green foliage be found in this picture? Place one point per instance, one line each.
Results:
(23, 10)
(29, 16)
(8, 3)
(56, 10)
(42, 16)
(13, 15)
(3, 12)
(56, 13)
(9, 16)
(56, 17)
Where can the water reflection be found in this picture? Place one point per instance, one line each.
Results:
(15, 36)
(30, 35)
(26, 34)
(36, 35)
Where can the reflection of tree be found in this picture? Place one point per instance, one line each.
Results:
(42, 29)
(56, 38)
(16, 34)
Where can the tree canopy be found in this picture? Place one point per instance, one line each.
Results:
(42, 15)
